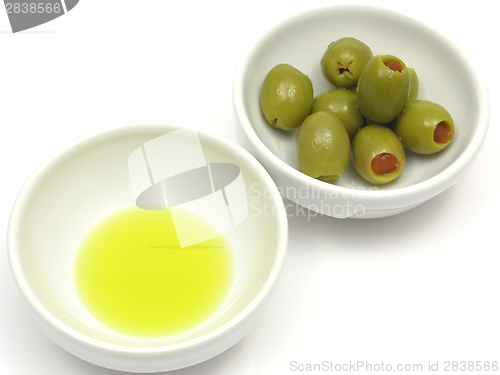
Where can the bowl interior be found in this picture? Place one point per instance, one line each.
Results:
(446, 76)
(86, 181)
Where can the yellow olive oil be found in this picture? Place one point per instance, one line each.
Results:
(132, 275)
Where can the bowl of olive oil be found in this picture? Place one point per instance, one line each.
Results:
(147, 246)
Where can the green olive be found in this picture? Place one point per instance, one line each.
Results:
(323, 146)
(383, 88)
(342, 103)
(377, 154)
(286, 97)
(425, 127)
(414, 86)
(344, 60)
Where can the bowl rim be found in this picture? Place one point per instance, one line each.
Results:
(14, 232)
(389, 198)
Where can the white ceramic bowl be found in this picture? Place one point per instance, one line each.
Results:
(89, 178)
(447, 75)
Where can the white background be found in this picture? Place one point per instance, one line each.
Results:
(417, 287)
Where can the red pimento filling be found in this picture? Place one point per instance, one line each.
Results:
(394, 64)
(443, 133)
(384, 163)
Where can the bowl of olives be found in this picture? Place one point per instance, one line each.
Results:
(359, 111)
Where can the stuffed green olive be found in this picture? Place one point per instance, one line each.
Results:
(344, 60)
(377, 154)
(342, 103)
(425, 127)
(323, 146)
(383, 88)
(286, 97)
